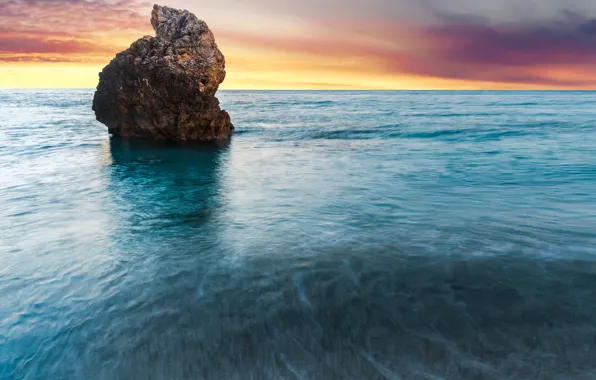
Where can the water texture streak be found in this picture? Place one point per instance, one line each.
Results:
(339, 235)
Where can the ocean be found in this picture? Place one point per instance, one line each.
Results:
(338, 235)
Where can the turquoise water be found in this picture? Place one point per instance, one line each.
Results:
(339, 235)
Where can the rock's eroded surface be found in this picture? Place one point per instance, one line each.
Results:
(163, 87)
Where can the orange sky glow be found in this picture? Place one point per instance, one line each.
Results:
(65, 43)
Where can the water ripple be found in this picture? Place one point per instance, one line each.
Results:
(340, 235)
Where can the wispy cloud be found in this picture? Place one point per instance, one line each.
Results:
(44, 30)
(513, 52)
(341, 43)
(546, 53)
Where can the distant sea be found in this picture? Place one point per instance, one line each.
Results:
(338, 235)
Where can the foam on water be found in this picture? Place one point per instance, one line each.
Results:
(339, 235)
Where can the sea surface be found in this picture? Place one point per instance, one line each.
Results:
(338, 235)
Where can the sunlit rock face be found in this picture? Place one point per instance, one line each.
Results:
(163, 87)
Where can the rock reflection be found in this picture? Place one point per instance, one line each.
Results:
(165, 185)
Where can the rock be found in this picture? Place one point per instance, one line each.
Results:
(163, 87)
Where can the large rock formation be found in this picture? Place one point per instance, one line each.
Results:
(163, 87)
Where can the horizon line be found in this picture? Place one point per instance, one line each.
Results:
(335, 89)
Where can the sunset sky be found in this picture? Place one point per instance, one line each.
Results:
(320, 44)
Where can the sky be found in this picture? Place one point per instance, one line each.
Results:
(320, 44)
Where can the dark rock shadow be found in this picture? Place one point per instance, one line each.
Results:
(164, 185)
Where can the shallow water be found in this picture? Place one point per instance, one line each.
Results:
(339, 235)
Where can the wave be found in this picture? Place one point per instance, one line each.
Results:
(298, 103)
(386, 132)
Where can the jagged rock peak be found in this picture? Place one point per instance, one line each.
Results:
(164, 87)
(170, 23)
